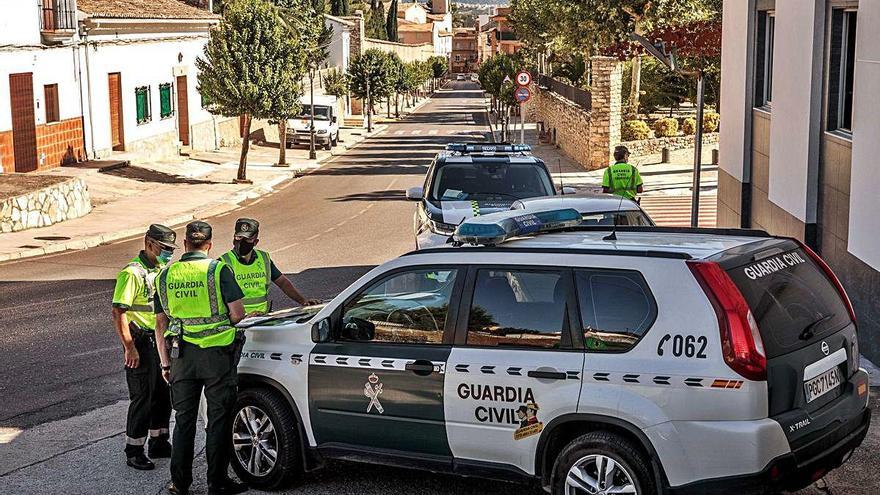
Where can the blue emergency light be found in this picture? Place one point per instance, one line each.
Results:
(496, 228)
(487, 148)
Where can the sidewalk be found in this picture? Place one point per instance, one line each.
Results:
(125, 201)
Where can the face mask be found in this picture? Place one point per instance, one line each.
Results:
(243, 247)
(165, 256)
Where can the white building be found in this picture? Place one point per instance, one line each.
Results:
(87, 78)
(800, 134)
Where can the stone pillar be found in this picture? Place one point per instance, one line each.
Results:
(606, 110)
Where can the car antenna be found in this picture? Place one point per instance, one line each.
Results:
(559, 171)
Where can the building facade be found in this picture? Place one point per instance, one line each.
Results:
(464, 56)
(799, 135)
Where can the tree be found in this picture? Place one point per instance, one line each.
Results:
(239, 80)
(391, 22)
(439, 65)
(336, 83)
(375, 22)
(397, 79)
(369, 69)
(340, 8)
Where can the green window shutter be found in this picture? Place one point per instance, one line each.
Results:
(166, 107)
(142, 99)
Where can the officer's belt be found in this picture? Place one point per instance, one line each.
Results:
(177, 324)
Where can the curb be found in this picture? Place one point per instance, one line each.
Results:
(213, 209)
(489, 121)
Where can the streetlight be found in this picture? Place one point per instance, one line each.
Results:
(369, 107)
(659, 52)
(312, 154)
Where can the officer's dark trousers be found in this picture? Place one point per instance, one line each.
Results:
(194, 369)
(150, 408)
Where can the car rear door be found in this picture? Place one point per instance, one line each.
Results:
(514, 366)
(379, 384)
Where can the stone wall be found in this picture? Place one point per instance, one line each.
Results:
(588, 136)
(407, 52)
(56, 203)
(655, 145)
(209, 135)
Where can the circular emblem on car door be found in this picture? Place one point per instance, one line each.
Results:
(825, 349)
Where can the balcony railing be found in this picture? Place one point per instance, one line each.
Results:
(581, 97)
(58, 15)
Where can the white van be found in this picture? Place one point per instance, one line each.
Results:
(326, 123)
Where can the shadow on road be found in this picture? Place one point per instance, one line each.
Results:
(146, 175)
(391, 195)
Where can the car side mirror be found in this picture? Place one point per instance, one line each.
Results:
(569, 190)
(415, 193)
(358, 329)
(321, 331)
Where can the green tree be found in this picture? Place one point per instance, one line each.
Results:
(369, 70)
(375, 22)
(391, 22)
(397, 79)
(239, 80)
(336, 83)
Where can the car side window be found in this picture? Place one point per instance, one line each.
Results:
(407, 307)
(616, 309)
(519, 308)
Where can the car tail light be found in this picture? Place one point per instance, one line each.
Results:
(832, 277)
(741, 343)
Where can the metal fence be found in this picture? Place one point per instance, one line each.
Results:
(579, 96)
(58, 15)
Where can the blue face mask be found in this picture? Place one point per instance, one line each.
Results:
(165, 256)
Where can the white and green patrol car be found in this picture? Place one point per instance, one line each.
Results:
(648, 361)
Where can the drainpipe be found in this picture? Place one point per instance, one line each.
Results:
(85, 32)
(79, 82)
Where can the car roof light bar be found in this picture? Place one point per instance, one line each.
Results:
(488, 148)
(496, 228)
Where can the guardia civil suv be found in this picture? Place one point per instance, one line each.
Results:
(638, 360)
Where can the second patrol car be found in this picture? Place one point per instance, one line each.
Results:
(637, 360)
(467, 180)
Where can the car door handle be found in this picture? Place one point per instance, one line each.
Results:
(421, 367)
(551, 375)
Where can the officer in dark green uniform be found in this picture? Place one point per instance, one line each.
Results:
(254, 270)
(197, 307)
(135, 321)
(622, 178)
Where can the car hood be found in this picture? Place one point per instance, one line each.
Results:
(453, 212)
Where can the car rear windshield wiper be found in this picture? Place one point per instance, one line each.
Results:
(807, 333)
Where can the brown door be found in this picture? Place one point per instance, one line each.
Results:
(117, 137)
(182, 111)
(24, 128)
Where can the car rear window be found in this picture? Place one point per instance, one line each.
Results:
(490, 181)
(793, 302)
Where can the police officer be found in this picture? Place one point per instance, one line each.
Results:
(622, 178)
(197, 307)
(135, 322)
(254, 270)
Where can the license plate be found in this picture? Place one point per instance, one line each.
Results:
(822, 384)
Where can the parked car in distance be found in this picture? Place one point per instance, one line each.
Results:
(460, 77)
(596, 208)
(326, 123)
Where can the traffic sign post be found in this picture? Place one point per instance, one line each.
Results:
(522, 95)
(523, 78)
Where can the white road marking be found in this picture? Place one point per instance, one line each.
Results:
(398, 133)
(285, 248)
(432, 132)
(416, 131)
(94, 351)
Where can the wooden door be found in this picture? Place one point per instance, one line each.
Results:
(24, 128)
(117, 136)
(182, 110)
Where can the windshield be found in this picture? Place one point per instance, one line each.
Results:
(490, 181)
(636, 218)
(322, 112)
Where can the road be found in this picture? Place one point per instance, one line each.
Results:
(62, 381)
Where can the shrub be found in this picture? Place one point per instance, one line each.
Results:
(667, 127)
(635, 130)
(689, 126)
(711, 120)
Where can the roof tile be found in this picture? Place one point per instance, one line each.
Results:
(143, 9)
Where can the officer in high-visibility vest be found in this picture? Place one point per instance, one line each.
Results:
(254, 270)
(197, 307)
(622, 178)
(135, 321)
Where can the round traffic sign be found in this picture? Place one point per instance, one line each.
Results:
(523, 78)
(522, 94)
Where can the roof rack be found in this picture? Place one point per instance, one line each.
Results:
(493, 148)
(670, 230)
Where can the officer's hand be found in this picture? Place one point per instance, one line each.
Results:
(166, 375)
(311, 302)
(132, 358)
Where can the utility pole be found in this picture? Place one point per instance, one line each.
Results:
(369, 107)
(312, 154)
(698, 153)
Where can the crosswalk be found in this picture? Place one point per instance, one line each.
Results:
(431, 132)
(675, 211)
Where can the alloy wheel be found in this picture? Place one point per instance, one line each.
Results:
(597, 474)
(254, 440)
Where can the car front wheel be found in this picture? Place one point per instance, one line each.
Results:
(600, 463)
(266, 451)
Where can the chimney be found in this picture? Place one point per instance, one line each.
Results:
(439, 6)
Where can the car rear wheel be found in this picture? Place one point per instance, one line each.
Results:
(601, 463)
(266, 450)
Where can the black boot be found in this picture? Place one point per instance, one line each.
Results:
(140, 461)
(228, 487)
(159, 447)
(174, 490)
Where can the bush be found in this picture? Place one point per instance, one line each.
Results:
(667, 127)
(711, 120)
(689, 126)
(635, 130)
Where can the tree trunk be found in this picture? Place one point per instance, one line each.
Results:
(396, 106)
(245, 146)
(282, 143)
(635, 87)
(388, 105)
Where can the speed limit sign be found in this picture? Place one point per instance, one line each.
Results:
(523, 78)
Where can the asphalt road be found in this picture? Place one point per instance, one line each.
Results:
(60, 356)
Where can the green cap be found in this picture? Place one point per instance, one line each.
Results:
(247, 228)
(163, 235)
(198, 231)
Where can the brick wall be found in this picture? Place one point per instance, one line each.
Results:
(58, 143)
(7, 160)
